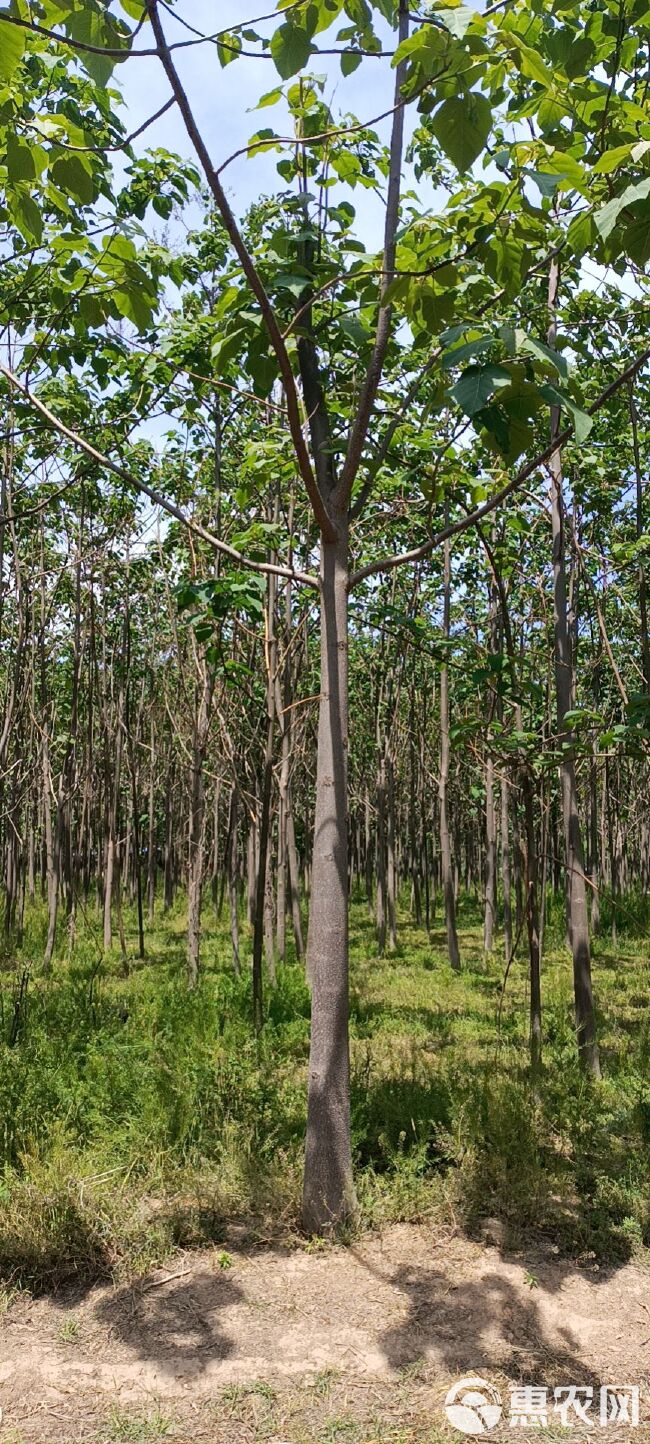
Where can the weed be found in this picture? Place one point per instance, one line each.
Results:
(139, 1118)
(124, 1427)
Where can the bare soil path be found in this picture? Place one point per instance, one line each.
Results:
(353, 1344)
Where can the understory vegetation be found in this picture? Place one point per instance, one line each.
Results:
(138, 1116)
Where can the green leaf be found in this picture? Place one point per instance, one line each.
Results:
(582, 422)
(552, 111)
(133, 8)
(73, 176)
(611, 159)
(291, 49)
(271, 98)
(456, 21)
(21, 165)
(26, 215)
(636, 236)
(531, 346)
(459, 354)
(579, 58)
(228, 48)
(569, 172)
(533, 65)
(350, 62)
(476, 386)
(546, 184)
(580, 234)
(462, 126)
(12, 47)
(135, 305)
(607, 217)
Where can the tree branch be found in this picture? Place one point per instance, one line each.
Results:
(359, 429)
(386, 564)
(252, 276)
(266, 568)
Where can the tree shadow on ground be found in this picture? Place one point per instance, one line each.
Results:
(484, 1326)
(176, 1326)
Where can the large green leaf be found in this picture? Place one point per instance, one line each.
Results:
(291, 49)
(12, 47)
(531, 346)
(582, 422)
(608, 215)
(21, 163)
(457, 21)
(462, 126)
(477, 384)
(73, 175)
(25, 214)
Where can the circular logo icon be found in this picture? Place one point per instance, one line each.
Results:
(473, 1406)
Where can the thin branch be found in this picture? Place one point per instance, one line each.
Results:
(359, 429)
(266, 568)
(252, 275)
(333, 134)
(108, 149)
(387, 564)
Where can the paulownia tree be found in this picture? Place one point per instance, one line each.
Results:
(552, 101)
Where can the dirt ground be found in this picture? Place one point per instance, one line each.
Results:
(356, 1344)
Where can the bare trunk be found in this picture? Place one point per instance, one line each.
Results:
(577, 910)
(443, 783)
(490, 858)
(505, 866)
(328, 1186)
(51, 851)
(197, 829)
(232, 883)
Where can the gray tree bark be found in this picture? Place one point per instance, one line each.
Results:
(574, 857)
(328, 1188)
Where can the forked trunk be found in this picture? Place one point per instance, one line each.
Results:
(328, 1187)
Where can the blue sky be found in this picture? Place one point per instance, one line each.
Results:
(223, 101)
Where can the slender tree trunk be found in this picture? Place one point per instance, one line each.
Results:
(391, 870)
(51, 856)
(505, 866)
(232, 881)
(579, 926)
(382, 901)
(532, 922)
(443, 783)
(261, 925)
(643, 588)
(328, 1186)
(151, 831)
(490, 857)
(197, 827)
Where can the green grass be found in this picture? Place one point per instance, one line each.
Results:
(136, 1117)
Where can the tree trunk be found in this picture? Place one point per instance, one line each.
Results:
(578, 923)
(197, 828)
(445, 836)
(505, 866)
(328, 1196)
(490, 857)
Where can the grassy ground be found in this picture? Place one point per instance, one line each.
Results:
(136, 1117)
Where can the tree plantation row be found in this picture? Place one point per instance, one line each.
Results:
(323, 517)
